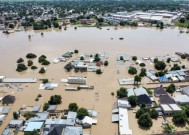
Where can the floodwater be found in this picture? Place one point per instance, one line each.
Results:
(143, 42)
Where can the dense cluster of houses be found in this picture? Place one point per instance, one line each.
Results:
(50, 122)
(165, 104)
(166, 17)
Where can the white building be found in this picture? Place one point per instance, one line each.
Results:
(77, 80)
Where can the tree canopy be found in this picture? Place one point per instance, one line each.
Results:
(73, 107)
(122, 92)
(81, 113)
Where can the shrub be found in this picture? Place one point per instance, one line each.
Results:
(45, 106)
(45, 81)
(134, 58)
(183, 66)
(171, 88)
(121, 58)
(106, 63)
(76, 51)
(122, 92)
(98, 71)
(33, 67)
(55, 100)
(159, 65)
(15, 115)
(82, 58)
(132, 70)
(45, 62)
(73, 107)
(179, 117)
(31, 56)
(145, 120)
(143, 72)
(168, 60)
(112, 93)
(175, 67)
(30, 63)
(21, 67)
(132, 100)
(20, 60)
(39, 95)
(154, 114)
(142, 65)
(81, 113)
(42, 70)
(183, 56)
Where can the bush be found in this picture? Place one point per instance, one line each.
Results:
(137, 79)
(33, 67)
(132, 70)
(121, 58)
(42, 58)
(175, 67)
(82, 58)
(142, 65)
(98, 71)
(28, 115)
(132, 100)
(30, 63)
(179, 118)
(45, 81)
(106, 63)
(21, 67)
(112, 93)
(31, 56)
(143, 72)
(73, 107)
(45, 106)
(134, 58)
(55, 24)
(55, 100)
(122, 92)
(39, 95)
(45, 62)
(183, 66)
(183, 56)
(42, 70)
(159, 65)
(168, 60)
(20, 60)
(15, 115)
(171, 88)
(96, 58)
(76, 51)
(145, 120)
(81, 113)
(154, 114)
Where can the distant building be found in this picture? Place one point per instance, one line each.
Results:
(77, 80)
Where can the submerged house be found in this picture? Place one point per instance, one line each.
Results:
(159, 91)
(77, 80)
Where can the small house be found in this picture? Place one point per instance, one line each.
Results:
(159, 91)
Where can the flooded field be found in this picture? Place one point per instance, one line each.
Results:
(143, 42)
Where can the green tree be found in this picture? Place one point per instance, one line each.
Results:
(21, 67)
(33, 67)
(29, 115)
(20, 60)
(42, 70)
(142, 111)
(15, 115)
(143, 72)
(82, 58)
(132, 70)
(159, 65)
(31, 56)
(171, 88)
(154, 114)
(169, 129)
(55, 24)
(134, 58)
(55, 100)
(45, 106)
(132, 100)
(98, 71)
(145, 120)
(137, 79)
(81, 113)
(122, 92)
(76, 51)
(30, 63)
(179, 118)
(142, 65)
(35, 132)
(106, 63)
(73, 107)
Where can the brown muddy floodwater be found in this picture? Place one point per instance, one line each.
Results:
(143, 42)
